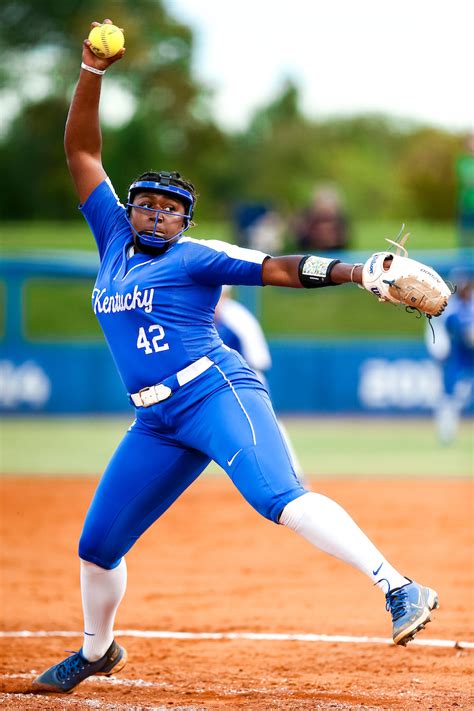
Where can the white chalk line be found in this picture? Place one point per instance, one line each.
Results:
(140, 684)
(107, 680)
(252, 636)
(90, 703)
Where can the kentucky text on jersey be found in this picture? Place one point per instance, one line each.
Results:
(135, 299)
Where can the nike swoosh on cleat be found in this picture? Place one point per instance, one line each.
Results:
(374, 572)
(229, 461)
(419, 605)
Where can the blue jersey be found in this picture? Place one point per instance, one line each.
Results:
(459, 323)
(157, 312)
(460, 327)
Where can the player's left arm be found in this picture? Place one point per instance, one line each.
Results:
(390, 277)
(293, 270)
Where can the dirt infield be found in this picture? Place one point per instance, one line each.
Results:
(211, 564)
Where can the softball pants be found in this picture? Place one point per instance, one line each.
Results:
(224, 415)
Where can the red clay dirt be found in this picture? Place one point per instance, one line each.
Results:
(211, 564)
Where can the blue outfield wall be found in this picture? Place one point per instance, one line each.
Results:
(58, 378)
(308, 376)
(376, 376)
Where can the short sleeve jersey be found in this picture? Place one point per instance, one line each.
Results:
(157, 312)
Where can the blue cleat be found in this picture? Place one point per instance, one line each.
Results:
(410, 607)
(63, 677)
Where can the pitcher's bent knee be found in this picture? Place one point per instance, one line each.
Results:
(93, 551)
(268, 486)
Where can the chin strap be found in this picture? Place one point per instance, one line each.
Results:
(157, 244)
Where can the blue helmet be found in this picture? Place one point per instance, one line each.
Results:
(166, 183)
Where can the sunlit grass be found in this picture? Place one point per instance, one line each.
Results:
(364, 447)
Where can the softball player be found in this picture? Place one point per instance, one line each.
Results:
(195, 399)
(453, 351)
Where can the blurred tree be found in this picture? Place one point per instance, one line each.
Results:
(360, 153)
(38, 183)
(169, 121)
(385, 168)
(156, 115)
(427, 168)
(276, 155)
(284, 155)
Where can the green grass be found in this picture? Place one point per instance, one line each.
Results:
(370, 234)
(367, 235)
(339, 313)
(364, 447)
(378, 447)
(72, 318)
(30, 236)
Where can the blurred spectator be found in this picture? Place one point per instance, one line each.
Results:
(323, 226)
(258, 226)
(465, 178)
(241, 331)
(453, 350)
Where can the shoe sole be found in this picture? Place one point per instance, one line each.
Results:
(39, 688)
(118, 667)
(409, 633)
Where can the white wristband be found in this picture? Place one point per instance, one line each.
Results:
(93, 70)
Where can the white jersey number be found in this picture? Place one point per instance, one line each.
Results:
(152, 346)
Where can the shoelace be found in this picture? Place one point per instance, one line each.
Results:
(71, 665)
(397, 603)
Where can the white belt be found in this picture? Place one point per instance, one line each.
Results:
(154, 394)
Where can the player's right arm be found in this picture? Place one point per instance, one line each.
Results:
(83, 137)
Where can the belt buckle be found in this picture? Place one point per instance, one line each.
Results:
(154, 394)
(147, 396)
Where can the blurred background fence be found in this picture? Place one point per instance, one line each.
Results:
(333, 351)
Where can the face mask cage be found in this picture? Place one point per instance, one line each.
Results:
(164, 186)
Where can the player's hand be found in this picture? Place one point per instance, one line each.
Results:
(91, 59)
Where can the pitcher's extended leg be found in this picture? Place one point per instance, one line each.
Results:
(329, 527)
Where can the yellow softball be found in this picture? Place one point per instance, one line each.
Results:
(106, 40)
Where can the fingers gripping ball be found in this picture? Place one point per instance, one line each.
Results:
(106, 40)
